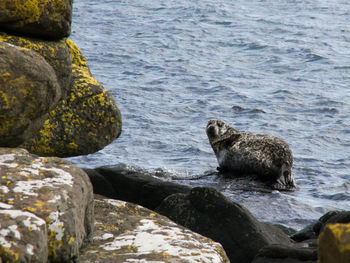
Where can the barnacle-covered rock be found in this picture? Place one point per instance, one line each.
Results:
(41, 18)
(125, 232)
(82, 123)
(46, 208)
(28, 91)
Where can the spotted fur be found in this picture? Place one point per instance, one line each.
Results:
(267, 157)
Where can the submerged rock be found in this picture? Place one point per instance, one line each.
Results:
(46, 208)
(41, 18)
(208, 212)
(28, 91)
(125, 232)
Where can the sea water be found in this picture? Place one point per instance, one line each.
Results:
(280, 67)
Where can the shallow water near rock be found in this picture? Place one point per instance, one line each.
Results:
(278, 67)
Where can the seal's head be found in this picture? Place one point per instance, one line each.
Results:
(216, 129)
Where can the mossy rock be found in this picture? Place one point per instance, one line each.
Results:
(56, 53)
(82, 123)
(28, 91)
(41, 18)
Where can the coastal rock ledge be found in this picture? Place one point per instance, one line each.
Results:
(125, 232)
(46, 208)
(47, 215)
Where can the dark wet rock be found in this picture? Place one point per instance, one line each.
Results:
(28, 91)
(83, 122)
(313, 230)
(287, 230)
(285, 254)
(208, 212)
(46, 208)
(132, 186)
(125, 232)
(332, 217)
(304, 234)
(41, 18)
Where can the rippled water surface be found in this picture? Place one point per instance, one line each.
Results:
(277, 66)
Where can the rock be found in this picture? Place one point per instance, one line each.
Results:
(332, 217)
(132, 186)
(46, 208)
(334, 244)
(125, 232)
(287, 230)
(208, 212)
(56, 53)
(82, 123)
(28, 91)
(313, 230)
(285, 254)
(41, 18)
(304, 234)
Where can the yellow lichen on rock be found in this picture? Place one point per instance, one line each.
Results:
(38, 17)
(85, 121)
(28, 91)
(30, 11)
(51, 209)
(77, 56)
(334, 244)
(56, 53)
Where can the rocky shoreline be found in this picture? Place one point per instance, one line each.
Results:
(52, 211)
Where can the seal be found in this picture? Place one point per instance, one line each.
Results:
(267, 157)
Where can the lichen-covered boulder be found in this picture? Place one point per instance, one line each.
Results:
(206, 211)
(125, 232)
(28, 91)
(46, 208)
(40, 18)
(82, 123)
(334, 244)
(56, 53)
